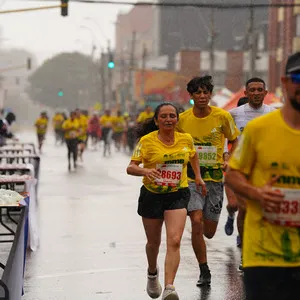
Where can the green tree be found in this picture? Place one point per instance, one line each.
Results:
(76, 75)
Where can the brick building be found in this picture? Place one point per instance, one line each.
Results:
(284, 39)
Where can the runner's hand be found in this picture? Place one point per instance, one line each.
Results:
(200, 183)
(269, 197)
(152, 174)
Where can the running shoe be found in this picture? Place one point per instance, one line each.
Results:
(170, 293)
(229, 226)
(240, 268)
(153, 286)
(204, 279)
(238, 241)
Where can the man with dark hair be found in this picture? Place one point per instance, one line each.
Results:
(255, 93)
(265, 170)
(242, 101)
(209, 126)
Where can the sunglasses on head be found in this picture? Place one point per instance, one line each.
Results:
(295, 77)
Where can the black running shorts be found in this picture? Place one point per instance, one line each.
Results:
(153, 206)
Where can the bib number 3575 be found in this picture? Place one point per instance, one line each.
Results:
(170, 174)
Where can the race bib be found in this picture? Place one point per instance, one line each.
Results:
(289, 212)
(170, 174)
(207, 155)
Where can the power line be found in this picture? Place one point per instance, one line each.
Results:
(184, 4)
(199, 5)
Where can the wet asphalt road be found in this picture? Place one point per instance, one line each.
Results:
(92, 240)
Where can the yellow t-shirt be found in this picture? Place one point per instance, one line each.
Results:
(41, 125)
(57, 121)
(171, 160)
(71, 129)
(118, 124)
(106, 121)
(83, 126)
(209, 134)
(143, 116)
(268, 147)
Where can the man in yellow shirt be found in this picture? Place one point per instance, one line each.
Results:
(146, 114)
(71, 129)
(57, 122)
(265, 170)
(82, 132)
(208, 126)
(41, 125)
(118, 129)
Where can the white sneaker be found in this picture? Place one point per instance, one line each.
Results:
(153, 286)
(170, 293)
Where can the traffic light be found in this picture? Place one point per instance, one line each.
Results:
(60, 93)
(111, 63)
(64, 7)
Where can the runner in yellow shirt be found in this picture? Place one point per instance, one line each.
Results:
(57, 122)
(118, 129)
(265, 170)
(71, 129)
(146, 114)
(164, 195)
(82, 134)
(41, 125)
(208, 126)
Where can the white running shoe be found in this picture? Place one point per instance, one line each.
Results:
(153, 286)
(170, 293)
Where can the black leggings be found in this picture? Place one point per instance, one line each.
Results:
(72, 149)
(272, 283)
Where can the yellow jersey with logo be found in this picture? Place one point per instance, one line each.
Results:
(106, 121)
(83, 127)
(171, 161)
(71, 128)
(143, 116)
(269, 147)
(209, 135)
(118, 124)
(41, 125)
(57, 121)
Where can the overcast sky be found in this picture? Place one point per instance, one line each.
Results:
(47, 33)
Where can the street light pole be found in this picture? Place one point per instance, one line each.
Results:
(102, 74)
(93, 39)
(109, 77)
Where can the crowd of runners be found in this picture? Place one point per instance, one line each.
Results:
(189, 160)
(82, 129)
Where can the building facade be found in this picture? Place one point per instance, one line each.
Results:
(284, 39)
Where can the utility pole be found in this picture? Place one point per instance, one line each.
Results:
(109, 77)
(252, 43)
(212, 43)
(131, 66)
(144, 57)
(102, 74)
(122, 88)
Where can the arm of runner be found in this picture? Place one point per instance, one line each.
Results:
(194, 160)
(269, 198)
(135, 170)
(226, 155)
